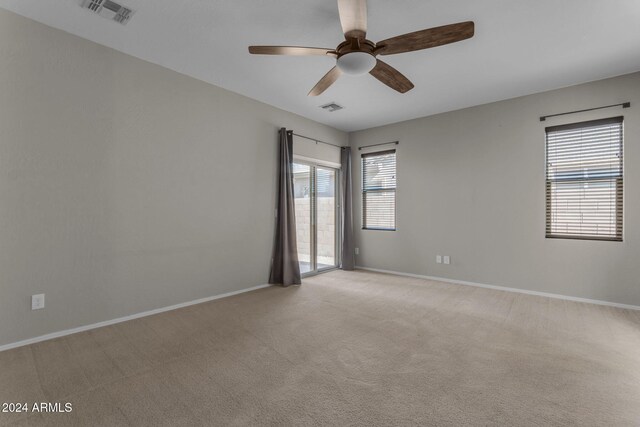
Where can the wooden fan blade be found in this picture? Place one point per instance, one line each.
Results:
(353, 17)
(291, 50)
(325, 81)
(426, 39)
(391, 77)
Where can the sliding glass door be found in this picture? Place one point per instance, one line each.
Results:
(315, 189)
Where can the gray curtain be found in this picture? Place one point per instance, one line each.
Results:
(285, 270)
(348, 250)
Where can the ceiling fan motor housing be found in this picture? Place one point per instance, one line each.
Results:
(356, 57)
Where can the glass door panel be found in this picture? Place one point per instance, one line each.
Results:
(303, 190)
(326, 218)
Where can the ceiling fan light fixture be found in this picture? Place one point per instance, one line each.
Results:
(356, 63)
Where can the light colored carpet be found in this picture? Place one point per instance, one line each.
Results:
(345, 348)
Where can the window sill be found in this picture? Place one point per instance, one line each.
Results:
(594, 238)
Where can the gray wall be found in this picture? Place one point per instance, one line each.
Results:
(471, 185)
(125, 186)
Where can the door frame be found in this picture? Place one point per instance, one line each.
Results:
(313, 203)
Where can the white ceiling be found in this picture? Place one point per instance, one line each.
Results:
(520, 47)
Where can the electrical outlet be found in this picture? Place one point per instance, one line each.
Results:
(37, 301)
(439, 259)
(447, 259)
(357, 251)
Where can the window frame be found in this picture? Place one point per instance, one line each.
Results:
(618, 191)
(363, 156)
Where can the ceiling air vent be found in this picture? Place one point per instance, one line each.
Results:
(109, 9)
(331, 107)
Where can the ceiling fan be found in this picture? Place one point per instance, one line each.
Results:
(357, 55)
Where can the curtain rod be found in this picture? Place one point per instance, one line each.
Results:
(375, 145)
(315, 140)
(623, 105)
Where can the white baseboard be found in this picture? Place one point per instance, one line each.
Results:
(123, 319)
(504, 288)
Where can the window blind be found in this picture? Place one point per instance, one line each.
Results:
(584, 182)
(379, 190)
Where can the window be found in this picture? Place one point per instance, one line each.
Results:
(379, 190)
(584, 180)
